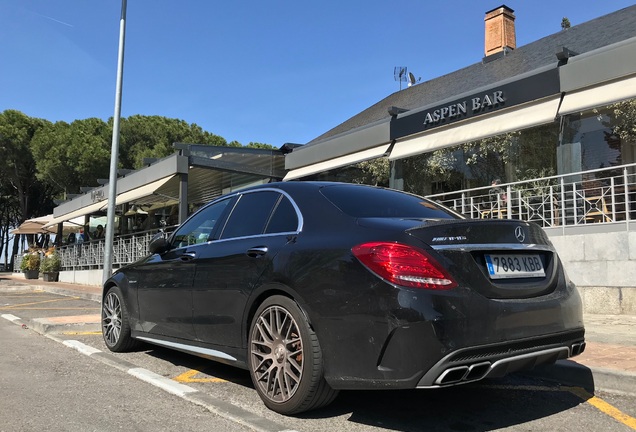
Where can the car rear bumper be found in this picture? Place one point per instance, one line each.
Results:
(473, 364)
(450, 338)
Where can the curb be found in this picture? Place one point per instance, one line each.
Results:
(69, 292)
(51, 325)
(571, 373)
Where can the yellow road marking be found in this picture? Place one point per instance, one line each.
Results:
(188, 377)
(604, 407)
(41, 302)
(597, 403)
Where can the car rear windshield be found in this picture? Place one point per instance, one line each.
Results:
(370, 202)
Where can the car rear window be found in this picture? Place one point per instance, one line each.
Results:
(370, 202)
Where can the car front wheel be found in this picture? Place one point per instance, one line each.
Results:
(115, 322)
(285, 359)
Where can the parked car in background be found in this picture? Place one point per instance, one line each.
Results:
(317, 287)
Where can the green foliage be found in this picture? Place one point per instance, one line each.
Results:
(72, 155)
(623, 120)
(152, 137)
(30, 261)
(258, 145)
(17, 164)
(373, 172)
(51, 262)
(565, 23)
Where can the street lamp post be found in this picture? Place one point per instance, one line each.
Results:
(114, 155)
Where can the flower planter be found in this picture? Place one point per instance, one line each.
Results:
(31, 274)
(50, 276)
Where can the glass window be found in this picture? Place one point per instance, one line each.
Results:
(284, 218)
(200, 227)
(361, 201)
(251, 213)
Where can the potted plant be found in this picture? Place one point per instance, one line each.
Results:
(30, 264)
(50, 266)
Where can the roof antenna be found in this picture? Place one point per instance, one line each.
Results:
(400, 74)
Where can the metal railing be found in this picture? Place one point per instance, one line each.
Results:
(90, 255)
(605, 195)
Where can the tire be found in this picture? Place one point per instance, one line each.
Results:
(285, 360)
(115, 322)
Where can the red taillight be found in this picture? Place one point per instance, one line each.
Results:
(403, 265)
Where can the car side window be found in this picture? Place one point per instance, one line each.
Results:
(250, 214)
(284, 218)
(200, 227)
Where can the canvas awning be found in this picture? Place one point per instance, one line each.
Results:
(34, 226)
(353, 158)
(95, 207)
(606, 94)
(122, 198)
(40, 225)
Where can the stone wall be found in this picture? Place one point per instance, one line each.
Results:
(601, 261)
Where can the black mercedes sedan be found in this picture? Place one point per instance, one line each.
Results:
(316, 287)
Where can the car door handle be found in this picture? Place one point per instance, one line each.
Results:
(256, 252)
(187, 256)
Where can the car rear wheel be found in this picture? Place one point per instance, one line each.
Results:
(115, 322)
(285, 359)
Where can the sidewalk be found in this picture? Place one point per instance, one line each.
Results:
(608, 363)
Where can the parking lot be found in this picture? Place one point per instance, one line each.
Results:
(515, 403)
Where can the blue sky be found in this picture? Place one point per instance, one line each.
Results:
(272, 72)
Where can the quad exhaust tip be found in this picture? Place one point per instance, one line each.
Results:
(478, 371)
(463, 374)
(577, 349)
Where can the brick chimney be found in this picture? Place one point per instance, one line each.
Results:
(500, 30)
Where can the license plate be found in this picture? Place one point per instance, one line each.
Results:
(506, 266)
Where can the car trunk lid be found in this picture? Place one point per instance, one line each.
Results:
(497, 258)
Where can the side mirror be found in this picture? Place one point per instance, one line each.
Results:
(159, 244)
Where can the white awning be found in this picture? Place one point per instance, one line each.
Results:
(521, 117)
(41, 225)
(349, 159)
(598, 96)
(125, 197)
(141, 192)
(92, 208)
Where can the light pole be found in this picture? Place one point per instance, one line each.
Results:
(114, 155)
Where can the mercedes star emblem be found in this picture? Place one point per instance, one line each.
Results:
(520, 234)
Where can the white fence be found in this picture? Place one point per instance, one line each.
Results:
(90, 255)
(598, 196)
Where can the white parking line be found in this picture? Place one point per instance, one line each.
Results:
(83, 348)
(162, 382)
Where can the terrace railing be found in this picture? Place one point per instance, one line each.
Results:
(598, 196)
(90, 255)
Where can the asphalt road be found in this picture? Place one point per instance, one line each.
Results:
(47, 385)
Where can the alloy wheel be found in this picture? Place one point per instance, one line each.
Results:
(111, 318)
(277, 354)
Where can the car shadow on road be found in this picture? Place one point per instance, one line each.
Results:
(488, 405)
(209, 368)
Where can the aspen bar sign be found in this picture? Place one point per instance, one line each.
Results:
(507, 95)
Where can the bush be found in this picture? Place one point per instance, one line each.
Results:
(51, 262)
(30, 261)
